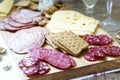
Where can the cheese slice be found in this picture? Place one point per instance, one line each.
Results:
(70, 20)
(6, 6)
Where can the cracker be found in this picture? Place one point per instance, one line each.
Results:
(72, 42)
(52, 39)
(35, 1)
(22, 3)
(33, 6)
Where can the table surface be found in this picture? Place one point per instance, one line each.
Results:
(100, 8)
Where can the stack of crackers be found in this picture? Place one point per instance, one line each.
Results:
(68, 42)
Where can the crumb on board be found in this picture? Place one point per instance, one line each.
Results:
(2, 50)
(7, 67)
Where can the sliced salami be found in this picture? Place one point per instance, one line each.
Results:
(96, 51)
(33, 37)
(31, 66)
(29, 71)
(90, 57)
(53, 57)
(43, 68)
(98, 39)
(112, 50)
(30, 61)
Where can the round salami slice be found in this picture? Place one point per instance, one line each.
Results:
(29, 71)
(88, 56)
(43, 68)
(96, 51)
(112, 50)
(33, 37)
(29, 61)
(98, 39)
(24, 15)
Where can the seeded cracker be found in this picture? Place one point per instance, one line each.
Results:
(52, 39)
(73, 43)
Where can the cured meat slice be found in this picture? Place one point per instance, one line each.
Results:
(112, 50)
(35, 52)
(98, 39)
(19, 25)
(29, 71)
(2, 24)
(43, 68)
(90, 57)
(11, 25)
(29, 61)
(96, 51)
(31, 66)
(23, 40)
(24, 15)
(53, 57)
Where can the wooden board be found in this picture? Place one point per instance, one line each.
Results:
(83, 67)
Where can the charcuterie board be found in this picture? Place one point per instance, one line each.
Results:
(83, 67)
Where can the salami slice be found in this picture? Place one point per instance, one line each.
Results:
(90, 57)
(55, 58)
(96, 51)
(31, 66)
(33, 37)
(24, 15)
(43, 68)
(30, 61)
(98, 39)
(112, 50)
(29, 71)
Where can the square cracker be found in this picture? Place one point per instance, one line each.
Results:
(52, 39)
(72, 42)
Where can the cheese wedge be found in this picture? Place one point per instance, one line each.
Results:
(69, 20)
(6, 6)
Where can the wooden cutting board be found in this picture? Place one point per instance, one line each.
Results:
(83, 67)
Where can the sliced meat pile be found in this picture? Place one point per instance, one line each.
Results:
(53, 57)
(101, 39)
(99, 52)
(22, 40)
(31, 66)
(20, 19)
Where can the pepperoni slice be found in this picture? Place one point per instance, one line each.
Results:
(43, 68)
